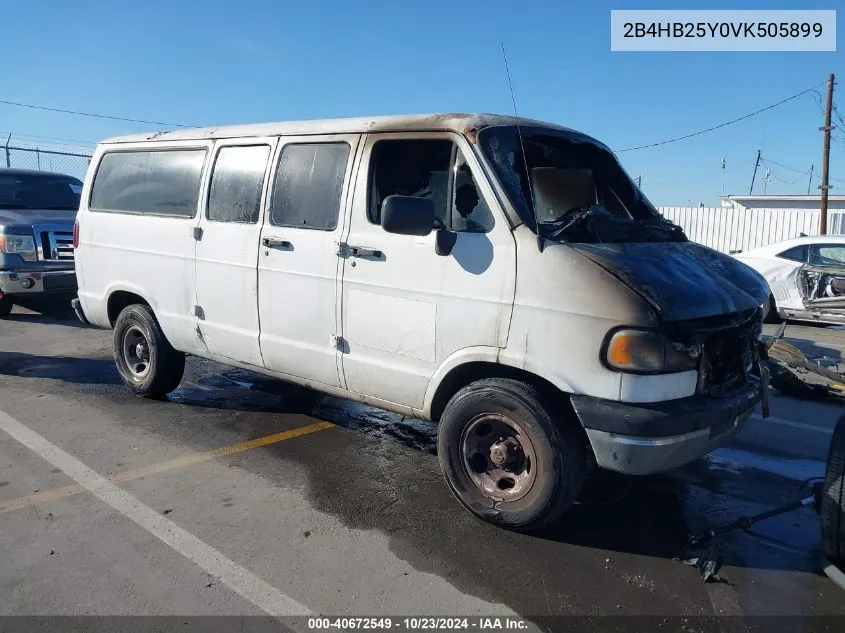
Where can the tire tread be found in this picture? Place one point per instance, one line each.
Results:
(169, 365)
(833, 497)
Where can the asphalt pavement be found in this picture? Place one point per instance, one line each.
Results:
(241, 496)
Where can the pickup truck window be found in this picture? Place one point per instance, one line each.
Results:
(26, 190)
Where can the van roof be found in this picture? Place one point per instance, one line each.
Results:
(462, 123)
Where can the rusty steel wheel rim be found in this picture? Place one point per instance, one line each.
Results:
(498, 457)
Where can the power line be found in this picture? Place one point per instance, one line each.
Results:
(75, 141)
(779, 179)
(721, 125)
(798, 171)
(90, 114)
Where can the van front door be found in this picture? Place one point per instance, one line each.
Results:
(227, 250)
(407, 309)
(298, 262)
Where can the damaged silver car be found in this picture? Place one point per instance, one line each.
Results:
(806, 276)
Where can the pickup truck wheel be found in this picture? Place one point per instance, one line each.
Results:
(145, 360)
(506, 458)
(6, 305)
(832, 507)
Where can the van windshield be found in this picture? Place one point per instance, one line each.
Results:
(27, 190)
(574, 189)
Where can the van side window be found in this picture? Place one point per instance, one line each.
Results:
(434, 169)
(154, 182)
(309, 181)
(469, 211)
(236, 184)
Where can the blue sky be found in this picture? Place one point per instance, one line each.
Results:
(218, 62)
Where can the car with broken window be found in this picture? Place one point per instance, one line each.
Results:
(806, 276)
(37, 211)
(502, 277)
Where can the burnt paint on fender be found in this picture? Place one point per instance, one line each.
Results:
(681, 280)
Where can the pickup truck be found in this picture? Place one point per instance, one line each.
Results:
(37, 212)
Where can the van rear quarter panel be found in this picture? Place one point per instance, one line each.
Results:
(151, 256)
(564, 307)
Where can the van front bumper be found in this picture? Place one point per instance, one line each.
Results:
(640, 439)
(35, 282)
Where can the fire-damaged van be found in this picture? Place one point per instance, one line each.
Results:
(501, 277)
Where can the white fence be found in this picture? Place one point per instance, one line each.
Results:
(732, 230)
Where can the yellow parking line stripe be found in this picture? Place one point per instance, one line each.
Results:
(155, 469)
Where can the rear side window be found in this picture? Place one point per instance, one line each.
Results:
(154, 182)
(309, 181)
(236, 184)
(827, 254)
(796, 254)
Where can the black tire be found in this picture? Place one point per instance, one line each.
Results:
(558, 445)
(772, 315)
(832, 507)
(164, 365)
(6, 305)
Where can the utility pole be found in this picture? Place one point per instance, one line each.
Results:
(754, 175)
(639, 181)
(766, 177)
(826, 159)
(810, 184)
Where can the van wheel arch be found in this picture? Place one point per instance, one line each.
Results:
(465, 374)
(120, 299)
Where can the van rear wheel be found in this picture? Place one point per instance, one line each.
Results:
(145, 360)
(506, 459)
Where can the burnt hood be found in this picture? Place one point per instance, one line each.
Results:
(681, 280)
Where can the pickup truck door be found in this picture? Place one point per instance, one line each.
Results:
(298, 263)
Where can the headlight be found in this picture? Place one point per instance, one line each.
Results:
(23, 245)
(647, 351)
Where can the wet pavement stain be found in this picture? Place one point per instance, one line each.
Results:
(379, 472)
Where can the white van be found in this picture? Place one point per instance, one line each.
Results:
(501, 277)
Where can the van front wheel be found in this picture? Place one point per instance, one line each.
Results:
(504, 456)
(145, 360)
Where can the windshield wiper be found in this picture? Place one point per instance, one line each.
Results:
(597, 224)
(555, 228)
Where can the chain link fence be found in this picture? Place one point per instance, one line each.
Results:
(72, 164)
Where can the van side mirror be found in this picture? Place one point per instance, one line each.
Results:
(407, 215)
(444, 242)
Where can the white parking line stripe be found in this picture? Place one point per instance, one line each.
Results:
(793, 424)
(263, 595)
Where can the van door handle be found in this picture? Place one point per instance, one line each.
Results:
(365, 252)
(272, 242)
